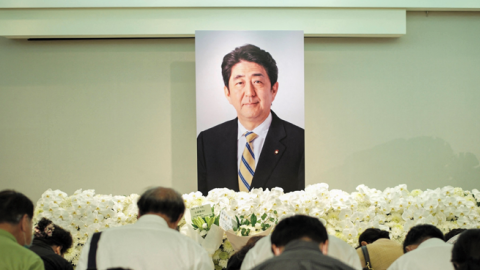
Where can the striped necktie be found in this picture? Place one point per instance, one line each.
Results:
(247, 164)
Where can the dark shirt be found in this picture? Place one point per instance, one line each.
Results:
(51, 260)
(302, 255)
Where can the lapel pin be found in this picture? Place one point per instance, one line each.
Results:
(276, 152)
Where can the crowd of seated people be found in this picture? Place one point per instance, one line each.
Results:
(297, 242)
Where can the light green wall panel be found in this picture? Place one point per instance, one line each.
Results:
(119, 115)
(183, 22)
(385, 112)
(403, 4)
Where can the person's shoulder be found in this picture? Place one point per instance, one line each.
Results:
(55, 261)
(32, 259)
(271, 263)
(220, 128)
(337, 264)
(184, 241)
(24, 252)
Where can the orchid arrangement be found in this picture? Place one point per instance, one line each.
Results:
(85, 213)
(345, 215)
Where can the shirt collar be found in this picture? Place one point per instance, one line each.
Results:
(301, 244)
(261, 130)
(152, 219)
(432, 242)
(39, 243)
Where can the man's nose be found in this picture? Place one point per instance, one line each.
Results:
(250, 89)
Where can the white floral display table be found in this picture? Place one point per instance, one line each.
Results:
(345, 215)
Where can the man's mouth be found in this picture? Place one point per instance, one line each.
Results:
(250, 103)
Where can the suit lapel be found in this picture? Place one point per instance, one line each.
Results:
(229, 151)
(272, 151)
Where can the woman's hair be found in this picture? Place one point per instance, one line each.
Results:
(466, 251)
(371, 235)
(41, 226)
(58, 237)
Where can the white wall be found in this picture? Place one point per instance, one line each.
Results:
(119, 115)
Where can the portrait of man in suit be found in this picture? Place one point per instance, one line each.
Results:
(257, 149)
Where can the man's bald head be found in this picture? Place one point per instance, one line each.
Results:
(164, 201)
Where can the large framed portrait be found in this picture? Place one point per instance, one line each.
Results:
(250, 83)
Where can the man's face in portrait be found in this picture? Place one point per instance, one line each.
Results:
(250, 91)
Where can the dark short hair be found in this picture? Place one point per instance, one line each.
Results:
(160, 200)
(452, 233)
(13, 206)
(466, 251)
(420, 233)
(249, 53)
(63, 238)
(297, 227)
(371, 235)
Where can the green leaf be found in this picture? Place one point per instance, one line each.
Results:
(271, 219)
(275, 212)
(245, 232)
(238, 222)
(217, 221)
(198, 221)
(264, 216)
(253, 219)
(212, 220)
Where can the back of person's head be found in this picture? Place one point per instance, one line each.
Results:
(249, 53)
(160, 200)
(371, 235)
(420, 233)
(453, 233)
(466, 251)
(57, 236)
(62, 238)
(298, 227)
(14, 206)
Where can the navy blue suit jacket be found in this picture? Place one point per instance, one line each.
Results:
(281, 163)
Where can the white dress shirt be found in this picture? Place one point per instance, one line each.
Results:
(147, 244)
(258, 143)
(431, 254)
(337, 249)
